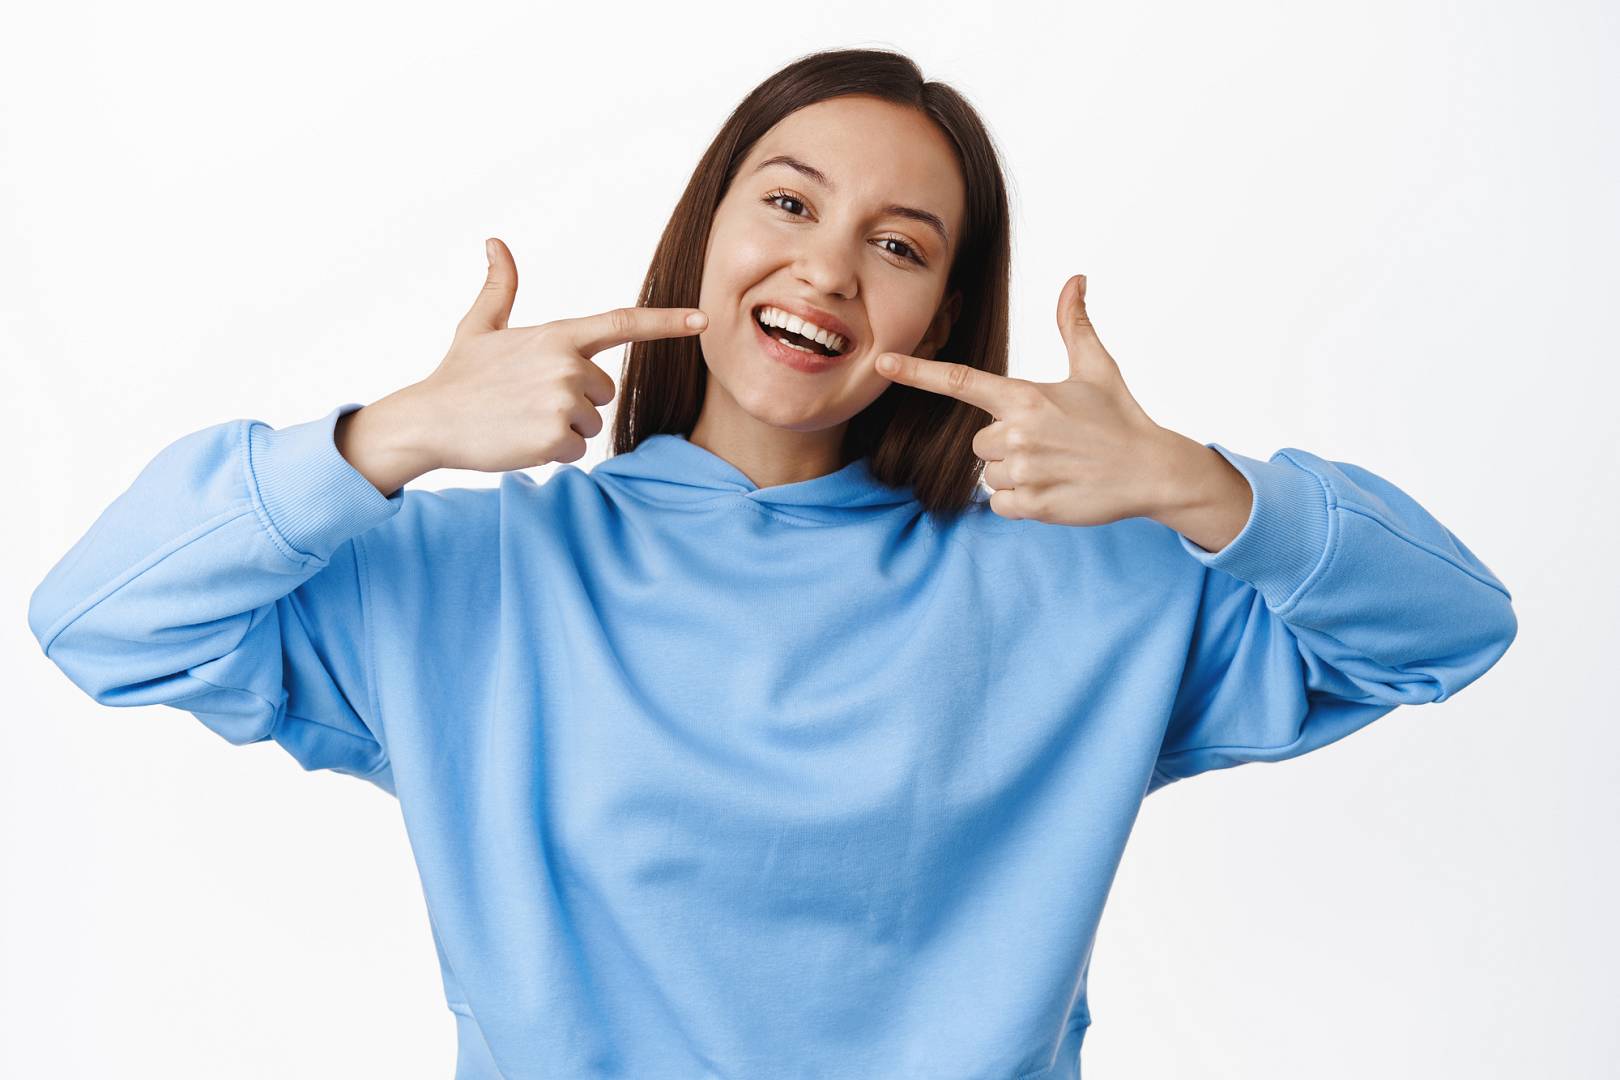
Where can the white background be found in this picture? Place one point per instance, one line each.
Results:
(1383, 232)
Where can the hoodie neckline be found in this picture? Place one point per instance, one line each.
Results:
(671, 469)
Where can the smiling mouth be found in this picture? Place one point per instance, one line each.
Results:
(795, 341)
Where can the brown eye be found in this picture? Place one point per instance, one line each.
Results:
(907, 252)
(910, 252)
(775, 197)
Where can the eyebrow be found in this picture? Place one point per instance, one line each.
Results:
(933, 221)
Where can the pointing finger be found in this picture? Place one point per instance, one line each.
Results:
(593, 333)
(988, 391)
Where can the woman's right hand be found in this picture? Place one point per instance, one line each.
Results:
(504, 399)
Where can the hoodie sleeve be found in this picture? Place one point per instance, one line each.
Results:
(1340, 599)
(226, 581)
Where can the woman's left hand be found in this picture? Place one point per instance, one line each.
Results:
(1076, 452)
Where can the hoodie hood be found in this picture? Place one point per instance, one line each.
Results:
(671, 470)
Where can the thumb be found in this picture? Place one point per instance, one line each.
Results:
(494, 304)
(1086, 352)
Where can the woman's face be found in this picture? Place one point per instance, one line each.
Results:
(854, 244)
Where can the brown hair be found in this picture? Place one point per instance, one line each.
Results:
(913, 436)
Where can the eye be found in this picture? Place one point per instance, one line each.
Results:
(909, 253)
(776, 195)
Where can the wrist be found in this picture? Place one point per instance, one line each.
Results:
(412, 427)
(1180, 472)
(1202, 496)
(387, 441)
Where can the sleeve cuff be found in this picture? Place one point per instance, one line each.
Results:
(1286, 534)
(313, 497)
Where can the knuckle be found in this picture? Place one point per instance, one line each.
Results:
(622, 320)
(1002, 503)
(958, 377)
(547, 335)
(588, 380)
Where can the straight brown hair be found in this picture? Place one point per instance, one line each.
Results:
(913, 437)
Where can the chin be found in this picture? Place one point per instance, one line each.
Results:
(789, 405)
(789, 415)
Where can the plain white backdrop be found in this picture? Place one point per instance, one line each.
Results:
(1385, 232)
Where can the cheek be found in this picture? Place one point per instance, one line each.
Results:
(737, 256)
(900, 318)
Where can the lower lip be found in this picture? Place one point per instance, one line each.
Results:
(810, 363)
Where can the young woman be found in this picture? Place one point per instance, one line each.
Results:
(773, 745)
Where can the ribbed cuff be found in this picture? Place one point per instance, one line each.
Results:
(313, 497)
(1287, 531)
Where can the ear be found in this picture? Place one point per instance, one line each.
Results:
(939, 331)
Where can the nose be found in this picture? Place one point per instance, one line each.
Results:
(827, 266)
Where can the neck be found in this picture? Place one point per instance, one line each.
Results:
(768, 455)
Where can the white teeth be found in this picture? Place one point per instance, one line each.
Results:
(771, 316)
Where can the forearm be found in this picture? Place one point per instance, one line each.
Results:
(384, 442)
(1206, 499)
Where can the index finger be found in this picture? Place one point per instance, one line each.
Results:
(985, 389)
(593, 333)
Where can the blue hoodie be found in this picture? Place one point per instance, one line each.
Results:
(705, 780)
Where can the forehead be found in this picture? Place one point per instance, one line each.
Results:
(873, 151)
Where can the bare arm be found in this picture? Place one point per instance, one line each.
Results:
(384, 441)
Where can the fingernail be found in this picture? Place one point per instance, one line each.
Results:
(697, 320)
(887, 362)
(489, 251)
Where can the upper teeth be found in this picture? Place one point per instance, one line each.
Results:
(771, 316)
